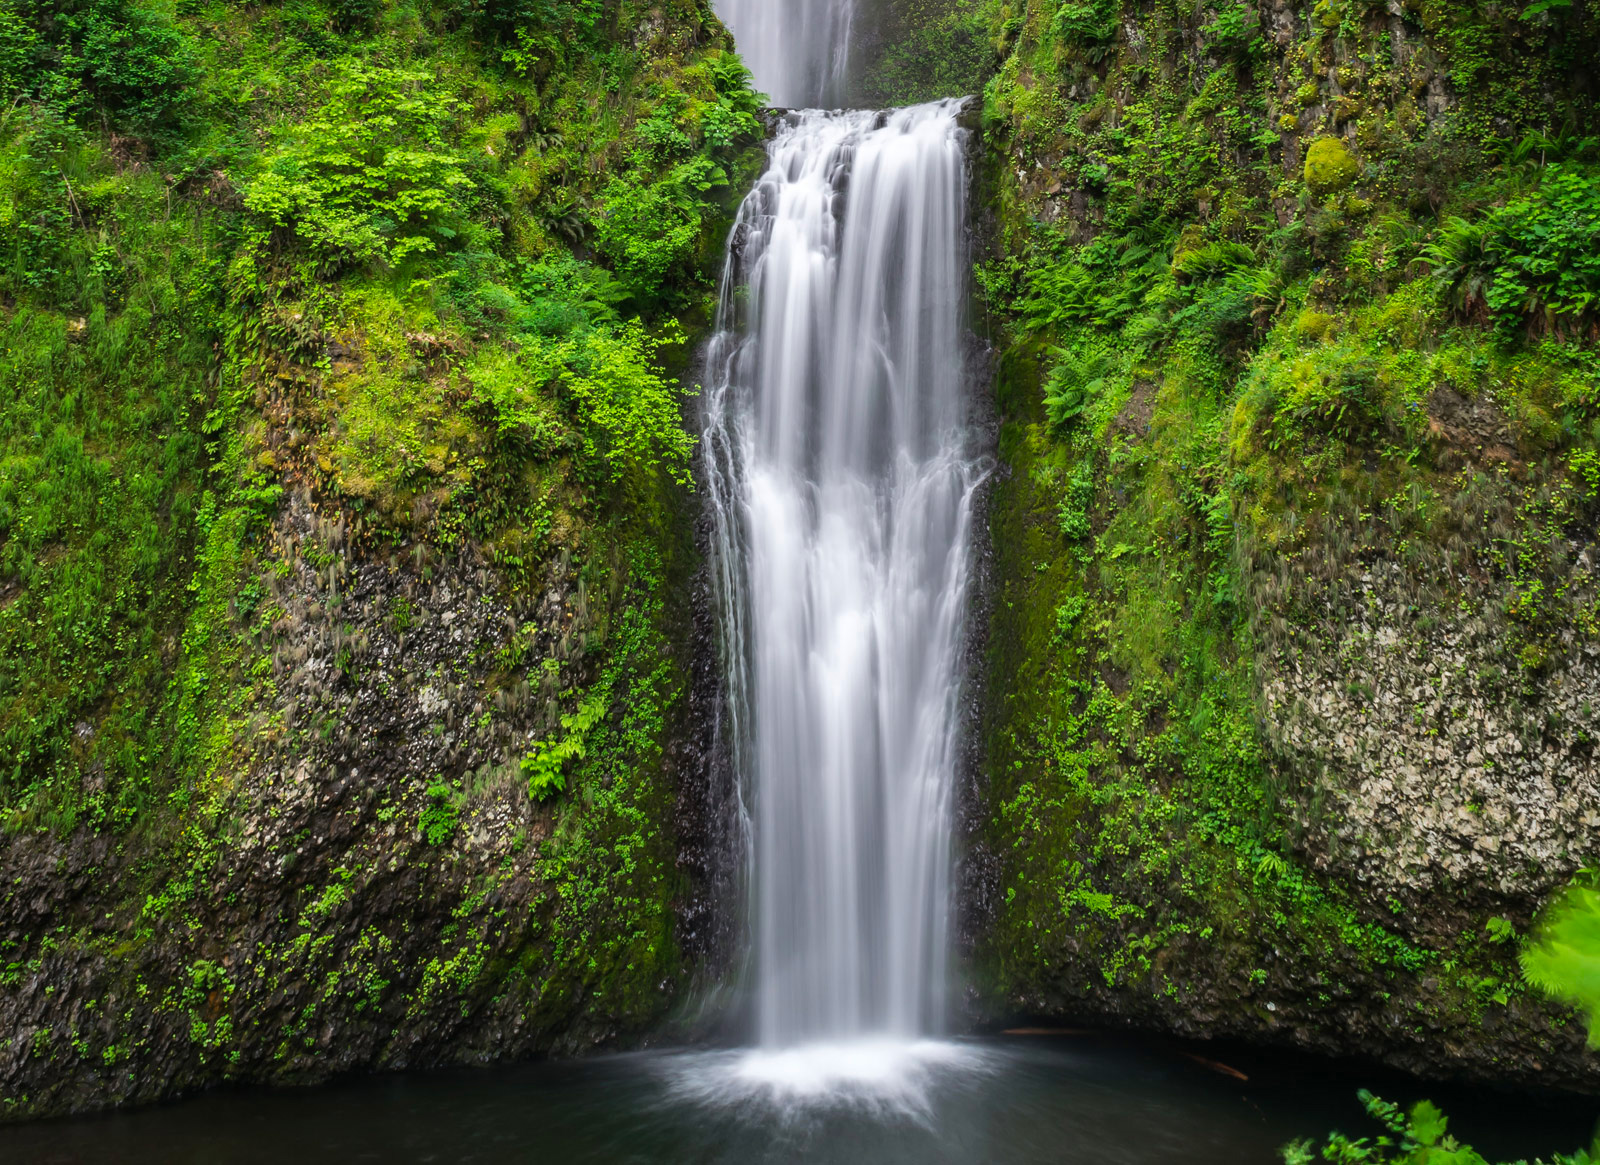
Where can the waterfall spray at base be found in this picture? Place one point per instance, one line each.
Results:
(841, 486)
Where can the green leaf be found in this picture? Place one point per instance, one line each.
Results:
(1563, 961)
(1427, 1123)
(1540, 7)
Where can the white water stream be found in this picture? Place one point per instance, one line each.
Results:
(797, 49)
(842, 484)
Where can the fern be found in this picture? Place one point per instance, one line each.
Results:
(1077, 381)
(546, 765)
(1461, 262)
(1564, 959)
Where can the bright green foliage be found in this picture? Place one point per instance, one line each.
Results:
(650, 228)
(1084, 23)
(1563, 959)
(1538, 257)
(370, 177)
(631, 412)
(1236, 31)
(652, 220)
(546, 766)
(1418, 1137)
(1077, 381)
(438, 821)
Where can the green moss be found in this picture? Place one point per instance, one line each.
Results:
(1208, 378)
(1330, 167)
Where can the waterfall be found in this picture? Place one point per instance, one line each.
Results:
(841, 486)
(797, 50)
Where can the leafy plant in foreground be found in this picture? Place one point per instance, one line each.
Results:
(1564, 959)
(1417, 1137)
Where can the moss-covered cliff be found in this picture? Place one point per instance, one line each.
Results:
(347, 554)
(1293, 658)
(344, 531)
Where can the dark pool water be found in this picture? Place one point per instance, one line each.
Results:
(1059, 1099)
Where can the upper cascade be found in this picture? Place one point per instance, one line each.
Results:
(798, 52)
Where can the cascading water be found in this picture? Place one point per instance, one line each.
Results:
(842, 487)
(797, 50)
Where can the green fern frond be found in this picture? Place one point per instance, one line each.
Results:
(1563, 961)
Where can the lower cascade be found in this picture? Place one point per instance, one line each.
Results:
(842, 485)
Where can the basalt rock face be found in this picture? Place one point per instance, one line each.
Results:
(371, 884)
(1436, 708)
(1292, 674)
(1428, 770)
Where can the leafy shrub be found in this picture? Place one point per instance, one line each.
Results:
(1236, 31)
(356, 15)
(1460, 260)
(1104, 283)
(730, 121)
(1584, 464)
(662, 136)
(628, 411)
(371, 177)
(19, 43)
(439, 820)
(1086, 23)
(124, 57)
(1076, 381)
(1417, 1137)
(1546, 248)
(576, 22)
(1065, 293)
(1538, 256)
(1228, 312)
(649, 229)
(1074, 512)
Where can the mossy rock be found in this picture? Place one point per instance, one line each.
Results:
(1330, 166)
(1315, 325)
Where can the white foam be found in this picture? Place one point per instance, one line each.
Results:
(892, 1077)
